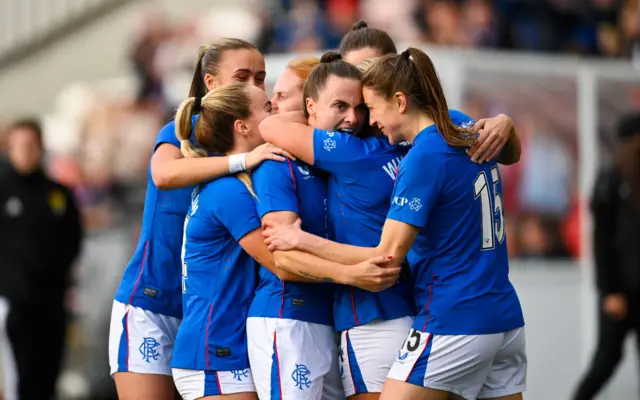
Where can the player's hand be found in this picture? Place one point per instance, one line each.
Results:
(282, 237)
(615, 306)
(494, 134)
(266, 151)
(371, 276)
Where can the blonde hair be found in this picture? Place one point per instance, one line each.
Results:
(303, 66)
(214, 128)
(365, 64)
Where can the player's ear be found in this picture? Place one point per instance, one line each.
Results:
(400, 102)
(311, 106)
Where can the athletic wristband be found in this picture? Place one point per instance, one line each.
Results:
(237, 163)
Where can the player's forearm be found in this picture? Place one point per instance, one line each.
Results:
(512, 150)
(309, 266)
(337, 252)
(187, 172)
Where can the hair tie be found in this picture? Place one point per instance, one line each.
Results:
(406, 55)
(197, 105)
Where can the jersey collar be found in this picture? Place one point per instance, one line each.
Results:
(424, 134)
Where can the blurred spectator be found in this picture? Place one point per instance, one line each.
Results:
(616, 214)
(153, 32)
(40, 237)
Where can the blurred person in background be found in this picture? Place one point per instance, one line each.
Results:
(40, 237)
(616, 214)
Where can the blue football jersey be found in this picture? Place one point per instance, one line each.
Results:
(151, 280)
(218, 278)
(459, 260)
(292, 186)
(362, 173)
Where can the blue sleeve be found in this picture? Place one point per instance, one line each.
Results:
(167, 135)
(236, 208)
(461, 119)
(274, 184)
(335, 152)
(417, 189)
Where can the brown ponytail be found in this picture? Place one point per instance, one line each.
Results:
(431, 88)
(209, 57)
(414, 74)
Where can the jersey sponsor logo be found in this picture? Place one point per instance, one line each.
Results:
(13, 207)
(329, 144)
(57, 202)
(400, 201)
(415, 204)
(305, 171)
(238, 374)
(391, 168)
(149, 349)
(300, 376)
(223, 352)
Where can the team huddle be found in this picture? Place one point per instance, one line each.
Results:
(344, 239)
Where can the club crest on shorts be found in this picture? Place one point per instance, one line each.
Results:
(300, 376)
(148, 349)
(238, 374)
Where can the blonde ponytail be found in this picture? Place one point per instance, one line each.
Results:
(184, 128)
(246, 179)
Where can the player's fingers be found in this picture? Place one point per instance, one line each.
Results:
(285, 153)
(477, 154)
(271, 247)
(269, 224)
(478, 125)
(274, 157)
(379, 260)
(493, 152)
(390, 273)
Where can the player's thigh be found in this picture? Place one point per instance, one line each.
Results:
(367, 353)
(508, 374)
(289, 358)
(398, 390)
(234, 384)
(141, 341)
(137, 386)
(457, 364)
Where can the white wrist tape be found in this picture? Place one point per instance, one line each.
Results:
(237, 163)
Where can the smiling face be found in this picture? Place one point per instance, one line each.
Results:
(338, 106)
(240, 65)
(385, 114)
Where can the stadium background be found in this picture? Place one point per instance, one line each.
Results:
(106, 74)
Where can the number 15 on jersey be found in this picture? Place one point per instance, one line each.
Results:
(492, 212)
